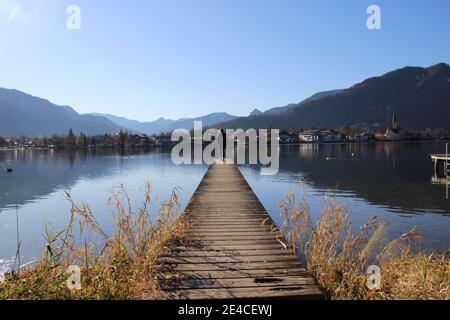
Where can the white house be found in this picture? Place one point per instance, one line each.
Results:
(310, 136)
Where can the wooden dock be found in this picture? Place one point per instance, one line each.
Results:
(445, 160)
(445, 177)
(232, 250)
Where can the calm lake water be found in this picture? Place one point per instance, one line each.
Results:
(390, 180)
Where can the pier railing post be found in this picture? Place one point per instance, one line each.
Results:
(446, 160)
(446, 170)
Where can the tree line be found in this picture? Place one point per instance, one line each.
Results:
(71, 140)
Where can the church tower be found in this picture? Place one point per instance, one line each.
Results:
(394, 124)
(394, 127)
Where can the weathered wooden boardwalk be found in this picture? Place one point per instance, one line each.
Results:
(232, 251)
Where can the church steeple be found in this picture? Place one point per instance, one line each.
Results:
(394, 124)
(394, 127)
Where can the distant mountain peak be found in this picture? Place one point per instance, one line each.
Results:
(317, 96)
(255, 113)
(166, 125)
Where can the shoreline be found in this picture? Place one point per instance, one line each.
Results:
(172, 145)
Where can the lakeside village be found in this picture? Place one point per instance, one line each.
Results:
(132, 140)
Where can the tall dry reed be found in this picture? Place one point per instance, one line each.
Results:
(122, 265)
(339, 259)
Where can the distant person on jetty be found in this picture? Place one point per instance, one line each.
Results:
(223, 136)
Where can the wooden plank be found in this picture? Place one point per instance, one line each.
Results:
(247, 231)
(236, 246)
(227, 253)
(233, 266)
(306, 292)
(231, 216)
(233, 249)
(234, 274)
(231, 241)
(232, 259)
(244, 282)
(240, 228)
(230, 236)
(233, 232)
(224, 218)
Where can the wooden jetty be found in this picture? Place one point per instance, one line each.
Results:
(444, 178)
(232, 249)
(442, 158)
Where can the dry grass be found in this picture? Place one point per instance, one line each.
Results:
(339, 259)
(124, 267)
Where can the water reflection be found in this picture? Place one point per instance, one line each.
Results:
(41, 177)
(392, 180)
(393, 175)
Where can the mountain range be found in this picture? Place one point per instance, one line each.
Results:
(23, 114)
(317, 96)
(167, 125)
(419, 96)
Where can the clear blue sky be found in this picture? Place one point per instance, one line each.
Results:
(144, 59)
